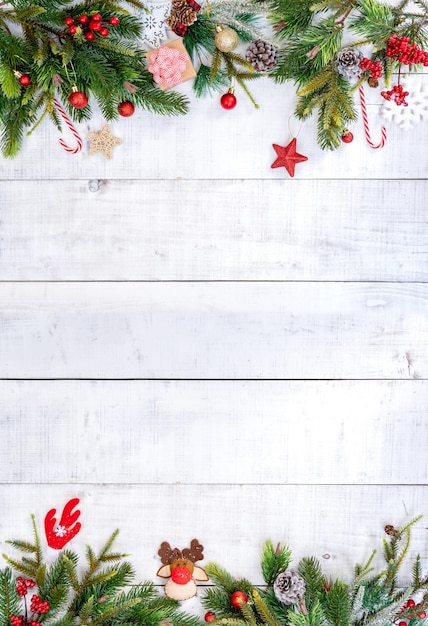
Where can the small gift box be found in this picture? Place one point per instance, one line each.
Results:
(170, 64)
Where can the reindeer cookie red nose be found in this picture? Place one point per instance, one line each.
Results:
(181, 575)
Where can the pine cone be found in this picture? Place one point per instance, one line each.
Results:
(172, 21)
(261, 55)
(181, 13)
(187, 16)
(178, 5)
(289, 587)
(348, 63)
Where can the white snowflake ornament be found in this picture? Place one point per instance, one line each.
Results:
(153, 22)
(417, 109)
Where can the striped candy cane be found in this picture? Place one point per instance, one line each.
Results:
(76, 135)
(366, 124)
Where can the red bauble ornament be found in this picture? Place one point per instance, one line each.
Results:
(288, 157)
(90, 35)
(228, 100)
(25, 80)
(126, 109)
(114, 20)
(68, 21)
(238, 598)
(209, 617)
(78, 99)
(104, 32)
(83, 19)
(347, 136)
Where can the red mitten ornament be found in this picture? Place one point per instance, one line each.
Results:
(58, 534)
(179, 566)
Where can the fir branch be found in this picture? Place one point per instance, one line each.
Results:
(203, 83)
(199, 40)
(309, 569)
(274, 561)
(9, 600)
(336, 604)
(248, 614)
(267, 616)
(221, 577)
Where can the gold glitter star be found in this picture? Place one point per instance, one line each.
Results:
(103, 142)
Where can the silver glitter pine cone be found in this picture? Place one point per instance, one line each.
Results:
(348, 63)
(289, 587)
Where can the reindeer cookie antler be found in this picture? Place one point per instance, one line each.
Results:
(179, 567)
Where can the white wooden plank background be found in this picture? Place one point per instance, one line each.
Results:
(230, 230)
(244, 355)
(170, 432)
(217, 330)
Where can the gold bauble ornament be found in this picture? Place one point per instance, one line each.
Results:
(226, 39)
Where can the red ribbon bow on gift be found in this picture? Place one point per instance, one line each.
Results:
(58, 534)
(167, 65)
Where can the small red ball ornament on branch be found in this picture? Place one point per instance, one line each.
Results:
(238, 598)
(228, 100)
(78, 99)
(126, 109)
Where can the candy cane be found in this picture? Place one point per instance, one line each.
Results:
(366, 123)
(76, 135)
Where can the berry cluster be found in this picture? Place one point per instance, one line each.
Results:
(397, 94)
(18, 620)
(400, 49)
(22, 584)
(411, 604)
(373, 67)
(89, 25)
(38, 606)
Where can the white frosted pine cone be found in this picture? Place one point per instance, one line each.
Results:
(348, 63)
(289, 587)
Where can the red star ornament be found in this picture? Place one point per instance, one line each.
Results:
(287, 156)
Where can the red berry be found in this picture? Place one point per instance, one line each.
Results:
(209, 617)
(114, 20)
(104, 32)
(95, 26)
(422, 615)
(410, 603)
(347, 137)
(238, 598)
(90, 35)
(228, 101)
(402, 623)
(68, 21)
(83, 19)
(72, 30)
(97, 17)
(126, 109)
(78, 100)
(29, 583)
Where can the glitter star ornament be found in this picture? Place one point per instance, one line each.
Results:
(287, 156)
(103, 142)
